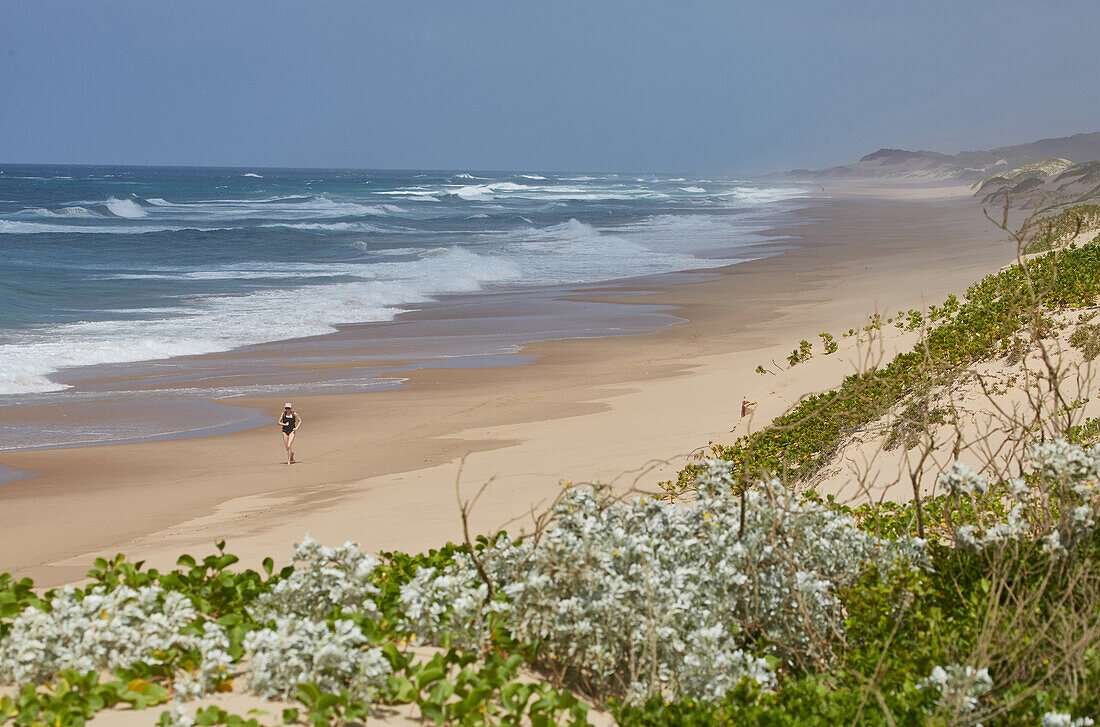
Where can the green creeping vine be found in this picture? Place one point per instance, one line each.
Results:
(74, 698)
(452, 688)
(1068, 222)
(995, 309)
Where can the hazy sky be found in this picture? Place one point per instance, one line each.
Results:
(547, 85)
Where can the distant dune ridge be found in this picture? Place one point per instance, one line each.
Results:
(1050, 172)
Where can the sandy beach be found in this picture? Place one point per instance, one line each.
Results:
(380, 468)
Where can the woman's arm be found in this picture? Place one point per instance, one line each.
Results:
(298, 421)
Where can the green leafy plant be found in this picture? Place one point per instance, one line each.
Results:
(800, 354)
(73, 698)
(981, 325)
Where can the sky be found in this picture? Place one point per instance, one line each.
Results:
(557, 85)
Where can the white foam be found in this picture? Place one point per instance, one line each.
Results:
(413, 195)
(575, 252)
(14, 227)
(477, 193)
(317, 297)
(125, 208)
(258, 271)
(531, 176)
(252, 174)
(76, 212)
(71, 211)
(328, 226)
(221, 323)
(296, 208)
(553, 192)
(764, 195)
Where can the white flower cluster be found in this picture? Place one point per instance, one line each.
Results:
(961, 480)
(324, 579)
(1061, 719)
(1059, 470)
(107, 630)
(215, 666)
(300, 649)
(1015, 526)
(959, 687)
(642, 597)
(303, 646)
(455, 600)
(178, 717)
(1060, 460)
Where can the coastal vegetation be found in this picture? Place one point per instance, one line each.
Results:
(749, 599)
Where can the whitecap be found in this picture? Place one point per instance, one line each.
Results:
(477, 193)
(127, 208)
(253, 174)
(221, 323)
(71, 211)
(328, 226)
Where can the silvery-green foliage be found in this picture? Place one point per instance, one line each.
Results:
(216, 664)
(961, 480)
(1063, 719)
(454, 601)
(301, 649)
(959, 687)
(109, 630)
(641, 597)
(1062, 461)
(178, 717)
(1059, 471)
(324, 578)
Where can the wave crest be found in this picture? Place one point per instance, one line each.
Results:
(127, 208)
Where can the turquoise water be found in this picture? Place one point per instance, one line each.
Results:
(134, 299)
(103, 265)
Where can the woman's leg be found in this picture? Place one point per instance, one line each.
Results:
(286, 443)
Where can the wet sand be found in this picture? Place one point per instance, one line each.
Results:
(380, 467)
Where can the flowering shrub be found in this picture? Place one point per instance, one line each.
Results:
(453, 602)
(1061, 719)
(959, 687)
(326, 579)
(1055, 502)
(641, 597)
(299, 649)
(100, 630)
(961, 333)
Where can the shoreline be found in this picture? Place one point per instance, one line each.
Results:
(380, 467)
(467, 330)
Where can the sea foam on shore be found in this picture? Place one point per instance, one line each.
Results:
(120, 265)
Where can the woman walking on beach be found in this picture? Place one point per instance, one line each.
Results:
(290, 422)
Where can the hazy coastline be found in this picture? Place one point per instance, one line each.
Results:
(379, 467)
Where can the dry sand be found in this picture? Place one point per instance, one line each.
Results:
(380, 468)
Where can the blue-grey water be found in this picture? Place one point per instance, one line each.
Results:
(103, 265)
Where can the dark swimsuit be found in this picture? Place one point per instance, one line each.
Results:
(288, 425)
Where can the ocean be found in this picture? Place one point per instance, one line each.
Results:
(109, 266)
